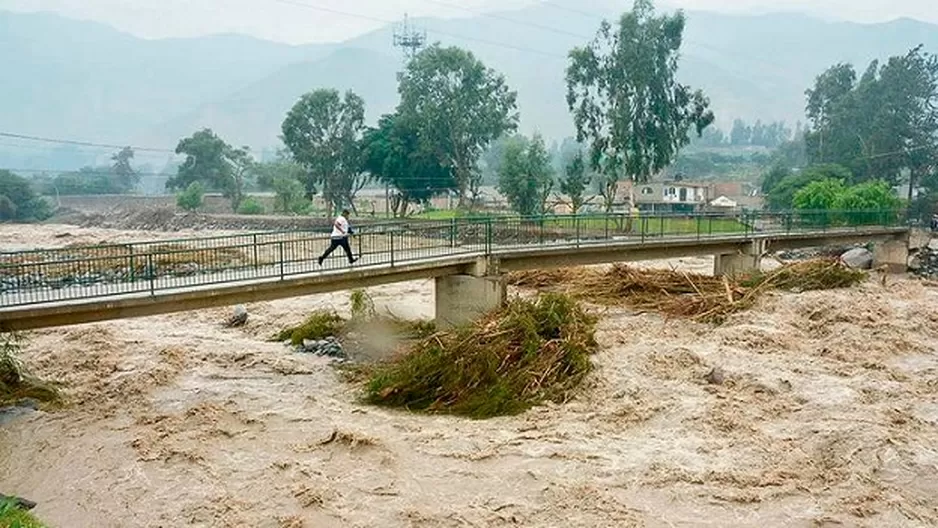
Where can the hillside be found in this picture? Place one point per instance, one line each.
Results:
(88, 81)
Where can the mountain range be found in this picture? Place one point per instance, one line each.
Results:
(82, 80)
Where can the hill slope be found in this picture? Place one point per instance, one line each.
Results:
(87, 81)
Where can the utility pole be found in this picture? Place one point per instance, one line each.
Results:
(411, 41)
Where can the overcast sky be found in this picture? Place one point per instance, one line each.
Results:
(285, 21)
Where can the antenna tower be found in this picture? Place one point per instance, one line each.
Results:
(409, 39)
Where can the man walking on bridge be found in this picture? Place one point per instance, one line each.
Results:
(340, 233)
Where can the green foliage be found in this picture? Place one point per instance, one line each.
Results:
(13, 517)
(215, 164)
(458, 106)
(192, 198)
(285, 177)
(394, 154)
(625, 100)
(18, 201)
(251, 206)
(320, 325)
(781, 185)
(322, 132)
(526, 177)
(576, 182)
(879, 124)
(830, 201)
(489, 369)
(819, 195)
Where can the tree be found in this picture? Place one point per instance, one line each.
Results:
(624, 97)
(831, 201)
(576, 181)
(459, 106)
(215, 164)
(880, 125)
(394, 154)
(322, 132)
(284, 176)
(242, 165)
(526, 177)
(125, 175)
(786, 184)
(741, 133)
(18, 201)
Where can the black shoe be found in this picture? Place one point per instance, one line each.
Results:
(353, 261)
(319, 260)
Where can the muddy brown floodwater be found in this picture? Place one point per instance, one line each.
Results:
(828, 415)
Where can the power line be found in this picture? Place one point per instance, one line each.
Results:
(557, 6)
(80, 143)
(506, 19)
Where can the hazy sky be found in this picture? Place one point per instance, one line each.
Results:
(284, 20)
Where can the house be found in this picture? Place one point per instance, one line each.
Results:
(672, 196)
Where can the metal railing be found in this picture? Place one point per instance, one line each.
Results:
(93, 271)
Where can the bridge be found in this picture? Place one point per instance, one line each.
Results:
(467, 258)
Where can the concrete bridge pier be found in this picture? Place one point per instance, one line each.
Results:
(745, 260)
(463, 299)
(892, 255)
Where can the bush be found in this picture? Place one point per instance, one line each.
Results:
(517, 357)
(18, 201)
(192, 198)
(250, 206)
(320, 325)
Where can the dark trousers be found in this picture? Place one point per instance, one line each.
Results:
(338, 243)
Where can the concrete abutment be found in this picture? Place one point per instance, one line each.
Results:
(746, 260)
(463, 299)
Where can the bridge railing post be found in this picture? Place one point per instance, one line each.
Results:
(452, 233)
(391, 245)
(254, 250)
(281, 259)
(488, 236)
(576, 223)
(151, 271)
(132, 272)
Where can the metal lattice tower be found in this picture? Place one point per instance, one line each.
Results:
(409, 39)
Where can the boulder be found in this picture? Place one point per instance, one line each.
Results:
(859, 258)
(238, 318)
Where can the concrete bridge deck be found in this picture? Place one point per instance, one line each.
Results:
(37, 306)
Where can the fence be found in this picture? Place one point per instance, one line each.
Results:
(93, 271)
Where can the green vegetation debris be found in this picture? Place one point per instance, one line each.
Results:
(514, 358)
(12, 516)
(320, 325)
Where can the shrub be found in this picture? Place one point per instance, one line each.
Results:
(191, 198)
(19, 201)
(250, 206)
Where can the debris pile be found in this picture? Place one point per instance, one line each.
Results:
(680, 294)
(514, 358)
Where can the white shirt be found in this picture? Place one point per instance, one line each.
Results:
(340, 227)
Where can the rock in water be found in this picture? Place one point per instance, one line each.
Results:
(859, 258)
(239, 318)
(716, 376)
